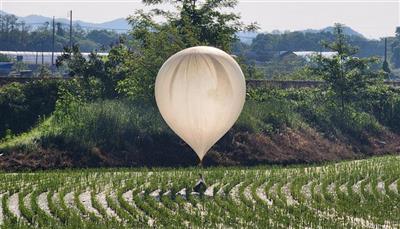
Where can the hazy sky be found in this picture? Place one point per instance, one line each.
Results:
(373, 18)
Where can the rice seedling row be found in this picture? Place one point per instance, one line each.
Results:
(355, 194)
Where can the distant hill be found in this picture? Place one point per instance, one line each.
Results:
(346, 30)
(247, 37)
(121, 25)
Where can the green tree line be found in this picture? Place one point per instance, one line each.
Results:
(266, 45)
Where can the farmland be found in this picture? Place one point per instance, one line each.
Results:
(352, 194)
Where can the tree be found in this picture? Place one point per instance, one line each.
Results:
(132, 66)
(103, 37)
(74, 61)
(98, 75)
(265, 45)
(206, 23)
(43, 71)
(347, 77)
(59, 30)
(191, 24)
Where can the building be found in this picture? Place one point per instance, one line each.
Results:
(303, 54)
(38, 57)
(308, 54)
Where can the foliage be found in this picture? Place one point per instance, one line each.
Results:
(114, 125)
(43, 71)
(22, 105)
(249, 69)
(314, 107)
(105, 38)
(346, 76)
(117, 125)
(265, 45)
(192, 24)
(133, 129)
(267, 111)
(334, 122)
(106, 124)
(206, 23)
(383, 102)
(289, 67)
(152, 49)
(97, 75)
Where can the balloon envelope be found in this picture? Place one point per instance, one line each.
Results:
(200, 92)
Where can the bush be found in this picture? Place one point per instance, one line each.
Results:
(269, 116)
(383, 103)
(22, 105)
(129, 131)
(107, 123)
(319, 110)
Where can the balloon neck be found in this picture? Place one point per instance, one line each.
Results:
(200, 164)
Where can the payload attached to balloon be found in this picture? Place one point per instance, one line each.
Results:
(200, 92)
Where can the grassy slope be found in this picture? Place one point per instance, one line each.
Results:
(275, 130)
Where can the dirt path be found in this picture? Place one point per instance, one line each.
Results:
(234, 193)
(1, 209)
(85, 199)
(13, 205)
(69, 200)
(102, 199)
(393, 187)
(43, 204)
(289, 198)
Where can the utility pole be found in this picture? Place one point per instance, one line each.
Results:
(70, 30)
(52, 51)
(385, 58)
(385, 66)
(22, 36)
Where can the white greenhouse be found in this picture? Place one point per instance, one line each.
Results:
(39, 57)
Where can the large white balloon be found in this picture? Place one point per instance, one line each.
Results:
(200, 92)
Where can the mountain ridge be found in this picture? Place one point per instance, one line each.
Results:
(35, 20)
(247, 37)
(121, 25)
